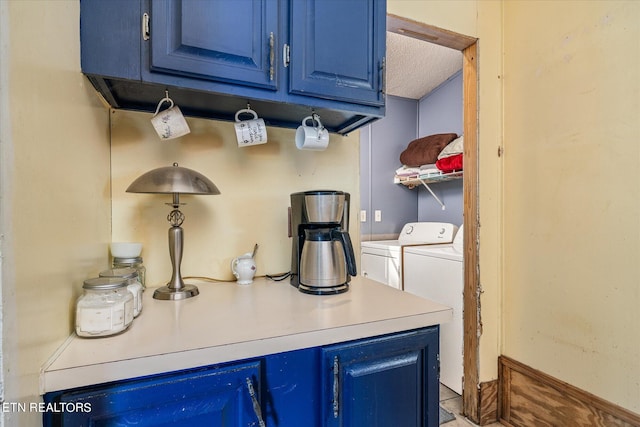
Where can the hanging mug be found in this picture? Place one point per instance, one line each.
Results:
(314, 137)
(252, 131)
(169, 123)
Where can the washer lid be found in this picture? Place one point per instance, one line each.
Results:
(427, 233)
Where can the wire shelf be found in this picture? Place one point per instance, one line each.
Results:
(414, 181)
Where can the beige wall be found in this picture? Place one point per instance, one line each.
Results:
(559, 235)
(55, 187)
(572, 193)
(255, 184)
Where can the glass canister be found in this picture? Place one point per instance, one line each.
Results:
(134, 286)
(105, 308)
(135, 262)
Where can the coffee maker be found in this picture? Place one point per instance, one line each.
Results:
(322, 258)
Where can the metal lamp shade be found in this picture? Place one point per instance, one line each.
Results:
(173, 179)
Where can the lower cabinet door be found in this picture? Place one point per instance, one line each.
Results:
(292, 383)
(384, 382)
(218, 396)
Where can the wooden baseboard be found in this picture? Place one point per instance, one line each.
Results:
(529, 397)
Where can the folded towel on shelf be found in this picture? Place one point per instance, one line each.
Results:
(425, 150)
(454, 147)
(430, 169)
(405, 171)
(427, 167)
(450, 164)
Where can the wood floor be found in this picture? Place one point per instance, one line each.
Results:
(452, 402)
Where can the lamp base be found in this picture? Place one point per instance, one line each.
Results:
(167, 293)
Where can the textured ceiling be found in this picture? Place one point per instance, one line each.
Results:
(415, 67)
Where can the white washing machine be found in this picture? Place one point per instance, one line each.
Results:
(381, 260)
(437, 273)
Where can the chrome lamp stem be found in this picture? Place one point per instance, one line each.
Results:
(176, 289)
(176, 235)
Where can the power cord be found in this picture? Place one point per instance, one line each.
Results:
(278, 277)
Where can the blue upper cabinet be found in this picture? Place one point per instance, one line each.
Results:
(285, 57)
(337, 49)
(210, 40)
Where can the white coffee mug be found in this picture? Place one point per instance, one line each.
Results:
(314, 137)
(244, 268)
(252, 131)
(169, 123)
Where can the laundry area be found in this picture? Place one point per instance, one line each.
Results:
(412, 188)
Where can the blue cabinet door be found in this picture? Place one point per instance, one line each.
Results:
(337, 49)
(386, 382)
(208, 397)
(292, 383)
(227, 41)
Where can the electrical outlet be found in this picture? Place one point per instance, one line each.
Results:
(377, 216)
(363, 216)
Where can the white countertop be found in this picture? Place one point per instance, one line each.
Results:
(229, 322)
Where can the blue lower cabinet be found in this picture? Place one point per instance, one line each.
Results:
(208, 397)
(386, 382)
(292, 384)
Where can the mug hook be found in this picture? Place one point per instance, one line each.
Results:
(317, 123)
(162, 101)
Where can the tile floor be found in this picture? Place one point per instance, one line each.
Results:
(452, 402)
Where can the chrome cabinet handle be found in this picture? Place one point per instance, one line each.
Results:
(336, 387)
(286, 55)
(145, 26)
(272, 56)
(256, 404)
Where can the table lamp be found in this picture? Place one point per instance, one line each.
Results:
(174, 180)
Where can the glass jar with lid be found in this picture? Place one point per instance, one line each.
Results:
(105, 308)
(134, 262)
(134, 286)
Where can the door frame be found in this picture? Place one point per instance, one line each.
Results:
(471, 294)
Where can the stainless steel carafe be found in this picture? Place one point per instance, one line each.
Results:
(322, 260)
(327, 257)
